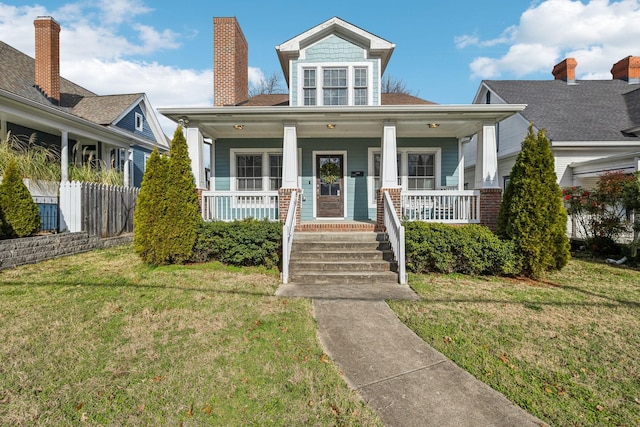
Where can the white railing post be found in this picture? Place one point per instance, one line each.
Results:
(395, 230)
(287, 235)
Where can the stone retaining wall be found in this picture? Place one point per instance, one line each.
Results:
(29, 250)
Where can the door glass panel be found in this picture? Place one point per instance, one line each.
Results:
(330, 175)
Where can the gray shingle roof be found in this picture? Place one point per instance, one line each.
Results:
(589, 110)
(17, 76)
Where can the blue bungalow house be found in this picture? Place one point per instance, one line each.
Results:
(335, 138)
(336, 153)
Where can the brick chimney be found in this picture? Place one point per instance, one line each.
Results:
(47, 72)
(565, 70)
(230, 63)
(627, 69)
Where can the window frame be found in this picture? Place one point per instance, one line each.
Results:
(320, 67)
(139, 122)
(266, 170)
(404, 169)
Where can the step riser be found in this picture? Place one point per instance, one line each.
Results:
(340, 237)
(340, 266)
(341, 246)
(342, 256)
(337, 279)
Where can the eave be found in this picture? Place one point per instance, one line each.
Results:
(457, 121)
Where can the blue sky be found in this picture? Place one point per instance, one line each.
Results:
(443, 48)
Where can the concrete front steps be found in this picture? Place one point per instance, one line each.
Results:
(341, 258)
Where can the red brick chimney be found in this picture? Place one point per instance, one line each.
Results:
(47, 72)
(230, 63)
(627, 69)
(565, 70)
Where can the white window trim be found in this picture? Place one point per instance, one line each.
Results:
(350, 66)
(139, 118)
(264, 152)
(404, 165)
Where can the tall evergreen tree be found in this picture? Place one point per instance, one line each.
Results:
(151, 207)
(21, 214)
(183, 216)
(531, 212)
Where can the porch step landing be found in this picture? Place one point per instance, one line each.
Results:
(342, 258)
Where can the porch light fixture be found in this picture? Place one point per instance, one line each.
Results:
(238, 127)
(433, 125)
(331, 126)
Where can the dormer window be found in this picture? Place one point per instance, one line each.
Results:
(334, 86)
(309, 86)
(360, 86)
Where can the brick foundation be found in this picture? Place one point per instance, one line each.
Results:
(490, 199)
(395, 194)
(284, 198)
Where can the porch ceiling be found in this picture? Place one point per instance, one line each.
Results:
(411, 121)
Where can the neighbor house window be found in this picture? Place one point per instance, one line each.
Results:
(309, 86)
(334, 86)
(360, 86)
(421, 171)
(139, 122)
(249, 172)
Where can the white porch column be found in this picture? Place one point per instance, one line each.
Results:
(388, 158)
(3, 126)
(128, 153)
(212, 165)
(64, 155)
(290, 156)
(195, 142)
(461, 142)
(487, 157)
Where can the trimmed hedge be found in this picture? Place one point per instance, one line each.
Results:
(467, 249)
(242, 243)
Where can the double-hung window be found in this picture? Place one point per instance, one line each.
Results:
(334, 86)
(309, 86)
(360, 86)
(421, 171)
(258, 171)
(249, 172)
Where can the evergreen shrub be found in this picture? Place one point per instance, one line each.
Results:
(20, 213)
(467, 249)
(531, 213)
(241, 243)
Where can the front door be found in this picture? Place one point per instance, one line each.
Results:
(329, 191)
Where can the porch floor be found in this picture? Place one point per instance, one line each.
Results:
(337, 225)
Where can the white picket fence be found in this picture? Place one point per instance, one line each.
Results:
(98, 209)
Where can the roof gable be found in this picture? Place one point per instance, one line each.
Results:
(374, 45)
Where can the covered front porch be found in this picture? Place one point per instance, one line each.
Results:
(247, 161)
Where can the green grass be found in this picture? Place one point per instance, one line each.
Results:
(102, 339)
(567, 349)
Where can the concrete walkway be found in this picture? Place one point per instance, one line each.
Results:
(406, 381)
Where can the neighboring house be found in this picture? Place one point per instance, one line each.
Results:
(114, 131)
(334, 139)
(593, 125)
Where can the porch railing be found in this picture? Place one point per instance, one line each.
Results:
(287, 235)
(230, 206)
(395, 231)
(450, 206)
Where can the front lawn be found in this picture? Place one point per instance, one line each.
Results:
(567, 349)
(102, 339)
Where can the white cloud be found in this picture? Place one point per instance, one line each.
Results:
(597, 33)
(103, 48)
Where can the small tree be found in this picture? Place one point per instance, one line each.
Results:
(151, 208)
(21, 214)
(531, 213)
